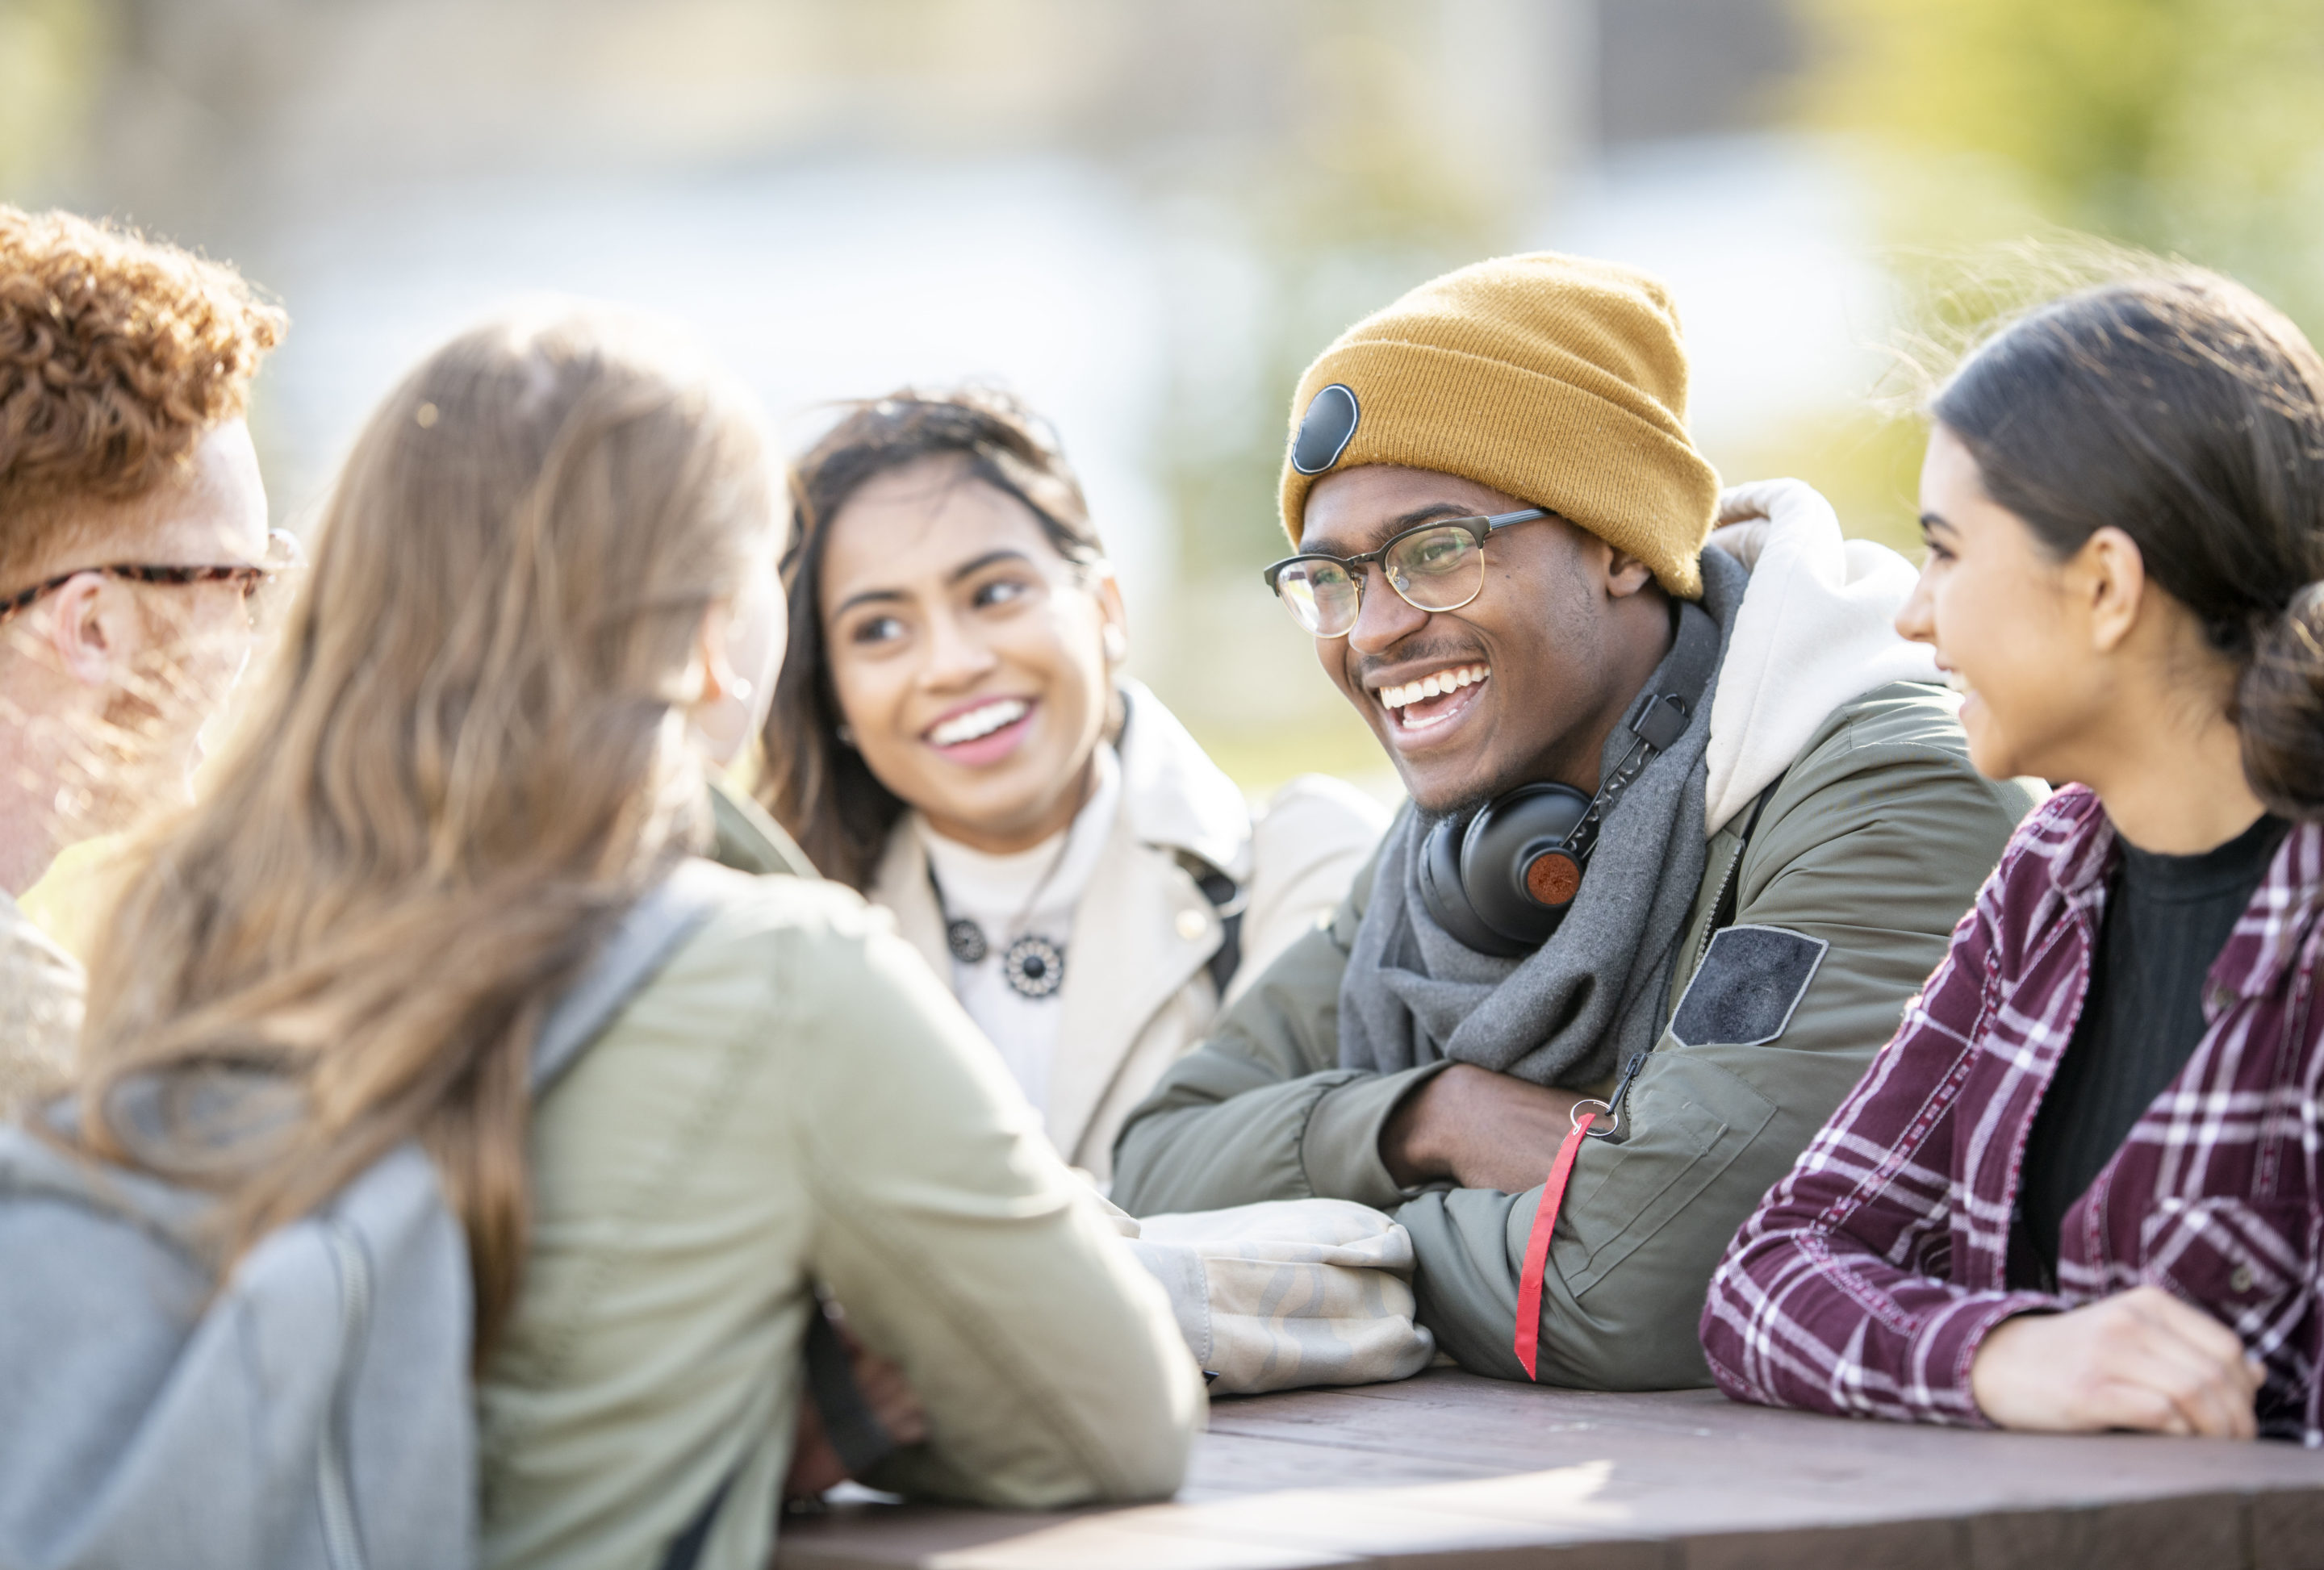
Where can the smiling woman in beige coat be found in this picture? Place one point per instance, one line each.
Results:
(951, 736)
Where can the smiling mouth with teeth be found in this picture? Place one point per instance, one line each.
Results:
(1417, 705)
(980, 721)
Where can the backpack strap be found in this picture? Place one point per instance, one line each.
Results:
(1230, 899)
(641, 945)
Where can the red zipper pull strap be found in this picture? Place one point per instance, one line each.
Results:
(1537, 1253)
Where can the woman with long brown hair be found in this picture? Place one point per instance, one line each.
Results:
(2081, 1188)
(542, 606)
(954, 734)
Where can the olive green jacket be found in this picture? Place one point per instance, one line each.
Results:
(1874, 841)
(793, 1103)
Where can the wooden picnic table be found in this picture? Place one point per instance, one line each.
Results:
(1450, 1469)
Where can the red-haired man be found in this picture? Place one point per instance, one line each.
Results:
(133, 533)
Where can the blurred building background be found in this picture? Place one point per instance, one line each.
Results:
(1148, 215)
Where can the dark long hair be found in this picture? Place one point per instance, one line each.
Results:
(816, 786)
(2187, 412)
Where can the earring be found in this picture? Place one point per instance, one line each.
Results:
(742, 688)
(1117, 646)
(847, 736)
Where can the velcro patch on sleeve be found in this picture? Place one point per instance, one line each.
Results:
(1747, 987)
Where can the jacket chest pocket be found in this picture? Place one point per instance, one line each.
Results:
(2247, 1261)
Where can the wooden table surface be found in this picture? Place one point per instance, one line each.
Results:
(1449, 1470)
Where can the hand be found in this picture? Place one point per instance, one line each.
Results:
(1482, 1129)
(816, 1467)
(2140, 1360)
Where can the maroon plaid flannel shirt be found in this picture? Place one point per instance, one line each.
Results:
(1869, 1277)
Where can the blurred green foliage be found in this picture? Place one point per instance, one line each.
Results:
(2194, 127)
(1362, 192)
(1358, 199)
(2177, 124)
(49, 55)
(2016, 148)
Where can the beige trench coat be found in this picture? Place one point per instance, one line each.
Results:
(1137, 994)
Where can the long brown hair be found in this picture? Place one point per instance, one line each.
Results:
(815, 786)
(2187, 412)
(470, 757)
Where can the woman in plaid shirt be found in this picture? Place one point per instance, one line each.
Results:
(2081, 1188)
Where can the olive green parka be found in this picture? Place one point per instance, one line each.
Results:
(1873, 839)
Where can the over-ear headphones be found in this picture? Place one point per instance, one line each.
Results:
(1502, 882)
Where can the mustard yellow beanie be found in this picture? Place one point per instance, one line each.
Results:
(1558, 380)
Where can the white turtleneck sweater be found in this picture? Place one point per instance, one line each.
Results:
(1035, 892)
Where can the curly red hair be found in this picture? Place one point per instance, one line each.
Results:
(117, 355)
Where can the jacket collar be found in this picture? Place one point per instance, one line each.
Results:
(1131, 949)
(2077, 840)
(2081, 851)
(748, 840)
(2279, 920)
(1172, 794)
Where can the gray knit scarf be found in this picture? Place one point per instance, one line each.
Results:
(1567, 1013)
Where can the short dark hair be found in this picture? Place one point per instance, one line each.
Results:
(817, 787)
(2187, 412)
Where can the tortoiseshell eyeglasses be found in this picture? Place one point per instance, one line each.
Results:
(282, 554)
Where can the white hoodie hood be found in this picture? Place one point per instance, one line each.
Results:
(1816, 629)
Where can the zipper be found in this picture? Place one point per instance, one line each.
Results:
(1638, 1059)
(1726, 882)
(334, 1492)
(1735, 867)
(1712, 928)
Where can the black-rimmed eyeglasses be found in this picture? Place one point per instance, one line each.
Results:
(1433, 567)
(282, 553)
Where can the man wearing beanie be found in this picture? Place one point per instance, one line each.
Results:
(1689, 824)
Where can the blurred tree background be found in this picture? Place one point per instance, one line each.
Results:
(49, 55)
(1150, 214)
(1994, 134)
(2184, 126)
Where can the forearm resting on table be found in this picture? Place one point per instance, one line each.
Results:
(1478, 1128)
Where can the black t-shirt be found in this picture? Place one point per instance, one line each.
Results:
(2167, 917)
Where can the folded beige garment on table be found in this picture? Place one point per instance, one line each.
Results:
(1289, 1293)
